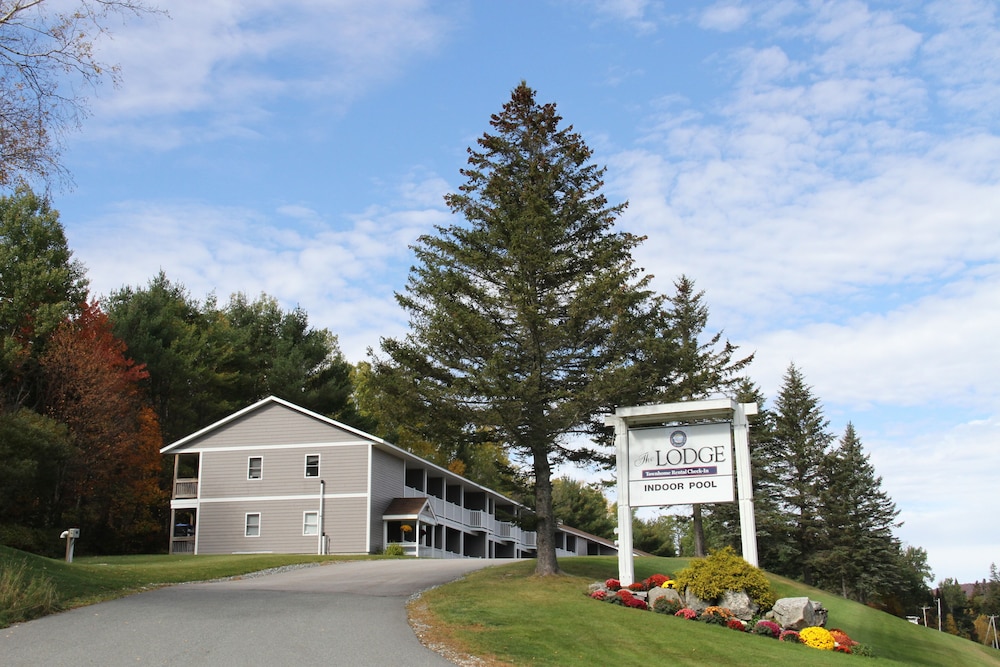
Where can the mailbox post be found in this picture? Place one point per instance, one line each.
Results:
(70, 536)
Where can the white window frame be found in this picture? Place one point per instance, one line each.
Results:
(308, 526)
(247, 526)
(260, 468)
(307, 475)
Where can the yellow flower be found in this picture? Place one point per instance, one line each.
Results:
(817, 638)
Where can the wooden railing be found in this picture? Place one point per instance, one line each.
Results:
(185, 488)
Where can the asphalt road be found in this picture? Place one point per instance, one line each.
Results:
(350, 614)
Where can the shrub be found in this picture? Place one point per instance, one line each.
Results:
(722, 571)
(637, 586)
(599, 594)
(736, 624)
(612, 584)
(817, 638)
(863, 650)
(687, 612)
(394, 549)
(655, 581)
(767, 629)
(667, 605)
(790, 636)
(636, 603)
(716, 615)
(841, 638)
(23, 596)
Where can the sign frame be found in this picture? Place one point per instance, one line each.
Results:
(627, 420)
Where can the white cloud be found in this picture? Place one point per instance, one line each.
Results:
(344, 276)
(724, 17)
(235, 59)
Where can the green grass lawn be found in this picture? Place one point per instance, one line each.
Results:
(513, 618)
(94, 579)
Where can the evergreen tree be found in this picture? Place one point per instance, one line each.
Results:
(277, 353)
(699, 367)
(186, 347)
(797, 453)
(858, 557)
(40, 286)
(528, 321)
(582, 506)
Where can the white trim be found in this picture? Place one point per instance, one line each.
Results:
(305, 472)
(259, 477)
(246, 524)
(304, 445)
(301, 496)
(306, 524)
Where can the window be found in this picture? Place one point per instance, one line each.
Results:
(310, 523)
(252, 525)
(255, 467)
(312, 465)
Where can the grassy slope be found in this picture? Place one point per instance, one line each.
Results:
(522, 620)
(518, 619)
(89, 580)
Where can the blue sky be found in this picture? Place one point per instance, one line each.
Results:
(827, 172)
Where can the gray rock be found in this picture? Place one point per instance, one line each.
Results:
(740, 604)
(798, 613)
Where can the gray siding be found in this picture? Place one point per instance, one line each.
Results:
(221, 526)
(270, 424)
(387, 483)
(343, 467)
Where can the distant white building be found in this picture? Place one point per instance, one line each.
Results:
(277, 478)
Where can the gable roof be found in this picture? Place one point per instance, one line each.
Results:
(410, 508)
(374, 440)
(257, 407)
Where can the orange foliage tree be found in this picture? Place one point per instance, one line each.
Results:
(111, 485)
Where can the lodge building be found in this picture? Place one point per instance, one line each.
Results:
(277, 478)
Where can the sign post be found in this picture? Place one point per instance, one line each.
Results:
(681, 454)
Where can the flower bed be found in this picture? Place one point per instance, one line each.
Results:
(632, 597)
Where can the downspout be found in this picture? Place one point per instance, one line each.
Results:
(322, 533)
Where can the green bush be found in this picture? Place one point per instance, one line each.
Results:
(394, 549)
(668, 606)
(722, 571)
(24, 597)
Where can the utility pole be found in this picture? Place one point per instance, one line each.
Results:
(939, 614)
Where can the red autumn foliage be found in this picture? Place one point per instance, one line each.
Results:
(92, 387)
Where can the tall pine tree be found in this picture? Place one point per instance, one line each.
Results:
(859, 552)
(700, 367)
(797, 453)
(528, 319)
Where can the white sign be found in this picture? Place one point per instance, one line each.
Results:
(680, 465)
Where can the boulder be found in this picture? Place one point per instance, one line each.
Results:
(798, 613)
(740, 604)
(657, 593)
(694, 602)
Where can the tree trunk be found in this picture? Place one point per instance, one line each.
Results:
(698, 531)
(545, 564)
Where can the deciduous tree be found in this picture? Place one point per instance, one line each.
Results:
(47, 63)
(93, 388)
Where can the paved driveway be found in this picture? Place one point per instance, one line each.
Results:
(336, 614)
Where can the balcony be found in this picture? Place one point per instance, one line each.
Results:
(474, 520)
(186, 488)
